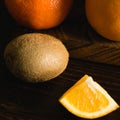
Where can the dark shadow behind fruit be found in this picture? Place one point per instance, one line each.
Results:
(36, 57)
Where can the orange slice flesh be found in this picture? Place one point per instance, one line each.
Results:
(87, 99)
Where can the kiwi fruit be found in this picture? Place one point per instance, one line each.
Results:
(36, 57)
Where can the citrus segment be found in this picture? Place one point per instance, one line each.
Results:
(88, 99)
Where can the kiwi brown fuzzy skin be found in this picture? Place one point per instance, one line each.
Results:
(36, 57)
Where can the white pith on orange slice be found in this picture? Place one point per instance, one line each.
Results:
(87, 99)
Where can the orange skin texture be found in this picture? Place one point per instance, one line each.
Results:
(39, 14)
(104, 17)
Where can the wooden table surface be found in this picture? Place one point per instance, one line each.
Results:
(89, 54)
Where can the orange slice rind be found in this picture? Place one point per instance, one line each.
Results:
(87, 99)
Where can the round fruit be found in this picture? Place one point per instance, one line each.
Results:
(36, 57)
(104, 17)
(39, 14)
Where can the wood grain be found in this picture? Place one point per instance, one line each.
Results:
(89, 54)
(75, 32)
(19, 100)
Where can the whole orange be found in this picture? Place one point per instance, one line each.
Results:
(104, 17)
(39, 14)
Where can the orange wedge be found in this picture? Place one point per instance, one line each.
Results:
(87, 99)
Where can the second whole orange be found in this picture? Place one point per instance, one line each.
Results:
(104, 17)
(39, 14)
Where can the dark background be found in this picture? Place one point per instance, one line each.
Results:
(89, 54)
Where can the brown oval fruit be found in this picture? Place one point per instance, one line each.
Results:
(36, 57)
